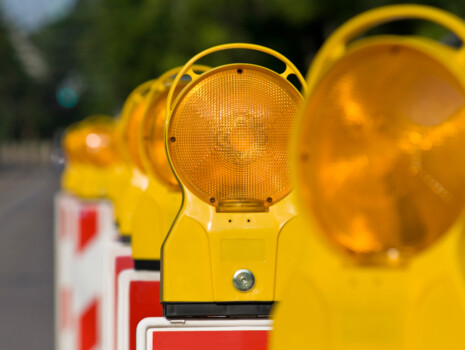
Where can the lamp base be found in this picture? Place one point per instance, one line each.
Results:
(226, 309)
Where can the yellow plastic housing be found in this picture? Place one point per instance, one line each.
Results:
(380, 176)
(227, 134)
(155, 211)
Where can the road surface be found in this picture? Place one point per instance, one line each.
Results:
(26, 256)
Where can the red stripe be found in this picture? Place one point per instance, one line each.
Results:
(88, 327)
(87, 226)
(144, 301)
(210, 340)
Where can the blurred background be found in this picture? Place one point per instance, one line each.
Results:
(62, 60)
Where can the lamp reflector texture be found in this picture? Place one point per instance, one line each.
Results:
(229, 133)
(381, 163)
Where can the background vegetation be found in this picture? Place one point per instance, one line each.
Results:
(101, 50)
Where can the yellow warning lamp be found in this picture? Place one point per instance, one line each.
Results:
(128, 135)
(227, 135)
(380, 172)
(160, 201)
(98, 135)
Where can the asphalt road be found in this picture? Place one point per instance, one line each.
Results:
(26, 257)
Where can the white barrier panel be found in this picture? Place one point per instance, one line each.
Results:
(118, 259)
(227, 334)
(138, 298)
(82, 231)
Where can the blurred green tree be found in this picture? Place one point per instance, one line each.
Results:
(19, 93)
(104, 48)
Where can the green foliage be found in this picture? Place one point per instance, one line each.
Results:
(114, 45)
(14, 92)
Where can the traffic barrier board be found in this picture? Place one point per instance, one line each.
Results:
(83, 228)
(138, 298)
(227, 334)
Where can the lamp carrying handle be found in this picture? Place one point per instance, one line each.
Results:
(189, 68)
(336, 45)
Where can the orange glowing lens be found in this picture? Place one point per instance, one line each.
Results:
(154, 137)
(381, 161)
(99, 136)
(229, 133)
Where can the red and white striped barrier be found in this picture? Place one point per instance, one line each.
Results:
(160, 334)
(101, 302)
(83, 230)
(138, 298)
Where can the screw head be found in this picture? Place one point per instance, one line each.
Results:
(243, 280)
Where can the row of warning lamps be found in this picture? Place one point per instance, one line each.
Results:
(377, 169)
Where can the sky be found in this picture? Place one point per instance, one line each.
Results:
(31, 14)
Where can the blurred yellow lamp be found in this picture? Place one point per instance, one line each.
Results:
(380, 172)
(100, 141)
(91, 145)
(129, 128)
(161, 199)
(227, 137)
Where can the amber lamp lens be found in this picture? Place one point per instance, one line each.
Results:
(229, 134)
(100, 144)
(131, 133)
(381, 163)
(154, 137)
(73, 145)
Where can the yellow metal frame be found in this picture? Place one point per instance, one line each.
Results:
(332, 303)
(204, 248)
(157, 204)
